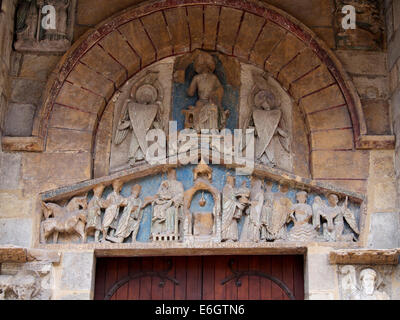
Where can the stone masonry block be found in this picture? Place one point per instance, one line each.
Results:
(384, 230)
(19, 120)
(16, 231)
(10, 170)
(78, 271)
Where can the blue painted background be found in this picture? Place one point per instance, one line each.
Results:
(181, 101)
(150, 186)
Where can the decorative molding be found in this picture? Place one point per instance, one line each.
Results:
(28, 144)
(362, 256)
(374, 142)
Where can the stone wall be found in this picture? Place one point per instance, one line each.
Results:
(6, 38)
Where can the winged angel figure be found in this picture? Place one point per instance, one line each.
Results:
(140, 113)
(334, 216)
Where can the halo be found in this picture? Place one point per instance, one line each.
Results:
(146, 94)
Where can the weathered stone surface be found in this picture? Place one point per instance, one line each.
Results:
(326, 34)
(156, 27)
(138, 39)
(310, 12)
(195, 21)
(26, 91)
(37, 66)
(179, 29)
(12, 254)
(14, 204)
(99, 60)
(229, 23)
(384, 230)
(211, 18)
(68, 140)
(78, 270)
(336, 118)
(121, 52)
(321, 275)
(315, 80)
(326, 98)
(377, 116)
(283, 53)
(92, 81)
(359, 62)
(45, 171)
(43, 255)
(64, 117)
(76, 97)
(92, 12)
(372, 87)
(340, 164)
(248, 32)
(298, 67)
(19, 120)
(10, 170)
(332, 139)
(394, 49)
(17, 232)
(364, 256)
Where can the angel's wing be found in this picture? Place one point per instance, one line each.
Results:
(122, 131)
(349, 282)
(351, 220)
(318, 207)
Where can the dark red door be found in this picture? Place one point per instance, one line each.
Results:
(200, 278)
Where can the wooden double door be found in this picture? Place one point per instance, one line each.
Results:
(200, 278)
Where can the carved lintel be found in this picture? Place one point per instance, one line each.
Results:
(13, 254)
(29, 144)
(371, 142)
(381, 257)
(43, 255)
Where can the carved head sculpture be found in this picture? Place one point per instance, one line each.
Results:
(136, 189)
(265, 99)
(117, 186)
(171, 174)
(283, 188)
(26, 285)
(333, 199)
(367, 281)
(146, 94)
(98, 190)
(204, 63)
(230, 180)
(301, 197)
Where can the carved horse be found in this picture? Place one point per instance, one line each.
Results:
(68, 219)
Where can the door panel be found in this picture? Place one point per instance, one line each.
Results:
(200, 278)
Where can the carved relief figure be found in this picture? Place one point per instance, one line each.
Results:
(272, 137)
(26, 20)
(368, 287)
(301, 214)
(334, 216)
(61, 7)
(30, 34)
(232, 210)
(276, 214)
(208, 113)
(167, 207)
(93, 223)
(113, 203)
(140, 113)
(25, 285)
(252, 223)
(129, 222)
(68, 219)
